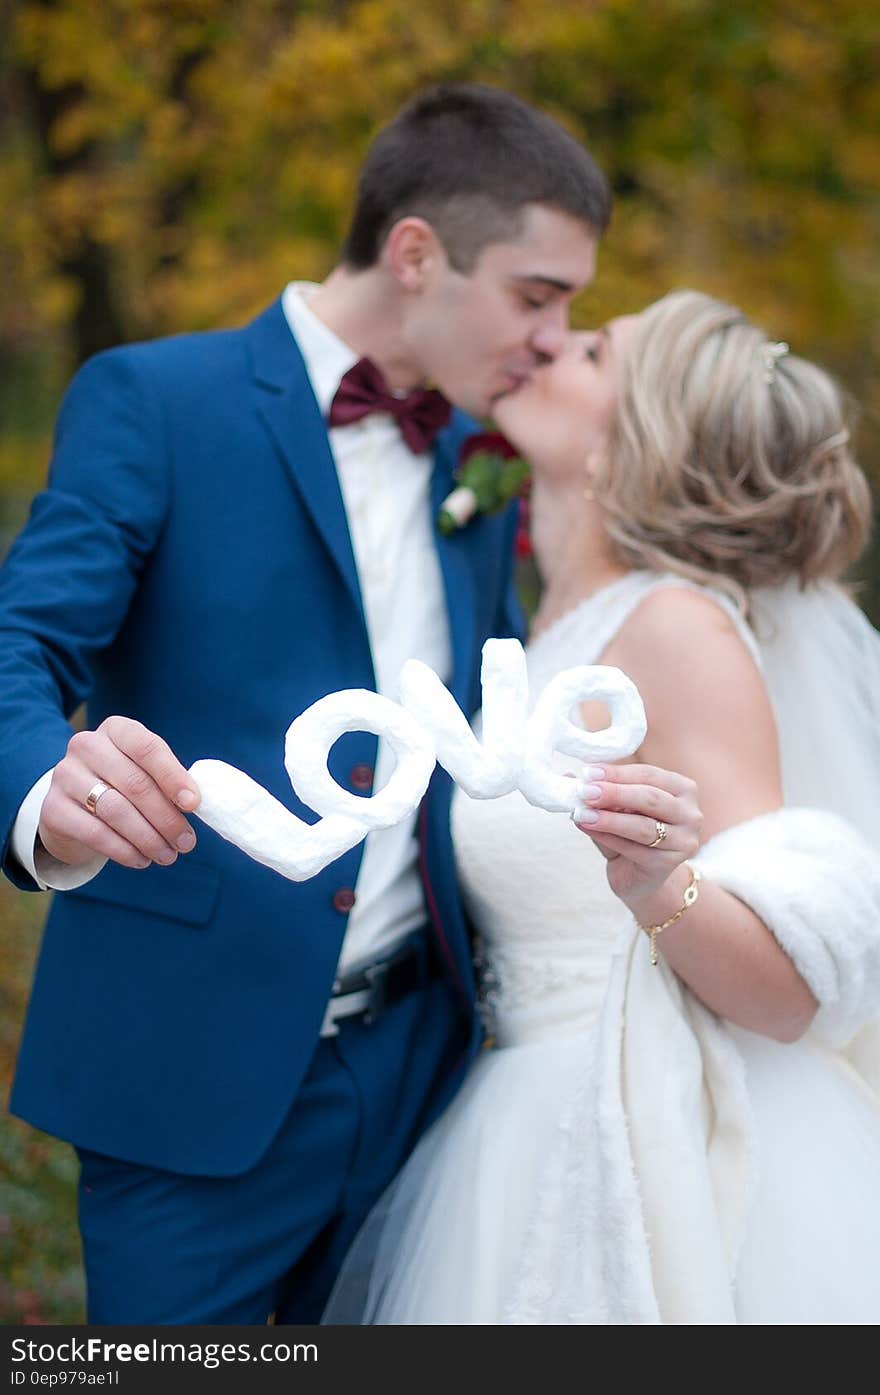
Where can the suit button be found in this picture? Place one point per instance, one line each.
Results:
(343, 900)
(361, 777)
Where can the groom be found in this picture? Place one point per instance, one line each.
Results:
(237, 523)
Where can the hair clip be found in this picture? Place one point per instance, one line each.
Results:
(771, 354)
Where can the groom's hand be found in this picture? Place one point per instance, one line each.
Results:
(137, 819)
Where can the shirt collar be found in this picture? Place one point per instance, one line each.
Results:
(327, 357)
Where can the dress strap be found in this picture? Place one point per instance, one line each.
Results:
(587, 630)
(659, 581)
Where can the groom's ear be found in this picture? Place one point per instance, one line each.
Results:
(413, 253)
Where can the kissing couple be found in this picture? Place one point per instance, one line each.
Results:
(277, 1092)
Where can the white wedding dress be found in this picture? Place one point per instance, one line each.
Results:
(490, 1220)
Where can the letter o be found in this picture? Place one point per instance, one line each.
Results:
(311, 735)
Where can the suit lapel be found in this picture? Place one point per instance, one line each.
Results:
(458, 582)
(287, 406)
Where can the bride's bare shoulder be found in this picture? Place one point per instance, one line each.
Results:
(709, 712)
(691, 662)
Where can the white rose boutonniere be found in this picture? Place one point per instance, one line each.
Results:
(489, 474)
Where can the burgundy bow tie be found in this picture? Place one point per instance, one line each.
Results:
(420, 415)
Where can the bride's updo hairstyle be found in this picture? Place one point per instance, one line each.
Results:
(729, 458)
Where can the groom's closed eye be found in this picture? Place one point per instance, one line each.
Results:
(537, 297)
(538, 291)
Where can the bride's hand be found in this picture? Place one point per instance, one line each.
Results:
(646, 822)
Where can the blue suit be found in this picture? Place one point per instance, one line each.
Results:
(190, 566)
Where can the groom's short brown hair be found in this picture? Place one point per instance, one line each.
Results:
(468, 159)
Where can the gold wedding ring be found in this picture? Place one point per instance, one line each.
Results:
(94, 794)
(662, 831)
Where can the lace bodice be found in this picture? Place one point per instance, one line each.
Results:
(534, 885)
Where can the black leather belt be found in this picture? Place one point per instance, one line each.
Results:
(371, 991)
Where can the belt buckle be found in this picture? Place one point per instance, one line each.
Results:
(377, 977)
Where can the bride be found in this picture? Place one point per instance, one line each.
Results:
(696, 1139)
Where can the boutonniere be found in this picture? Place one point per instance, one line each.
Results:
(488, 475)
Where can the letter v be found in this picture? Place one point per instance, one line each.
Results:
(491, 767)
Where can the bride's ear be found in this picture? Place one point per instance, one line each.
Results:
(412, 252)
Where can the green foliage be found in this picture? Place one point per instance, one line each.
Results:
(169, 164)
(40, 1279)
(207, 147)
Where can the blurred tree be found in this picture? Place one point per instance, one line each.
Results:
(168, 164)
(168, 161)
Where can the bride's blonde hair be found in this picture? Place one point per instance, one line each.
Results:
(729, 458)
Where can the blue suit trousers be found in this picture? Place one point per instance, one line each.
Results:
(160, 1247)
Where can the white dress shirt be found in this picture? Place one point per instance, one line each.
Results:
(386, 493)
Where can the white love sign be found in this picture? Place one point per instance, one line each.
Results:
(427, 726)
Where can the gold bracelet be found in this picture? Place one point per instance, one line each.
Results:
(691, 892)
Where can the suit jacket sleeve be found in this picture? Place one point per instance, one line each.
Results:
(70, 576)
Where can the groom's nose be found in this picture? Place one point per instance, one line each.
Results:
(548, 340)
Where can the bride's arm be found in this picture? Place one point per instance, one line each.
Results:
(709, 718)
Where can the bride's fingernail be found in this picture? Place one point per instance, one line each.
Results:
(589, 793)
(581, 814)
(594, 772)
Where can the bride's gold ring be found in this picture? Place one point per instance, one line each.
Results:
(662, 831)
(94, 794)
